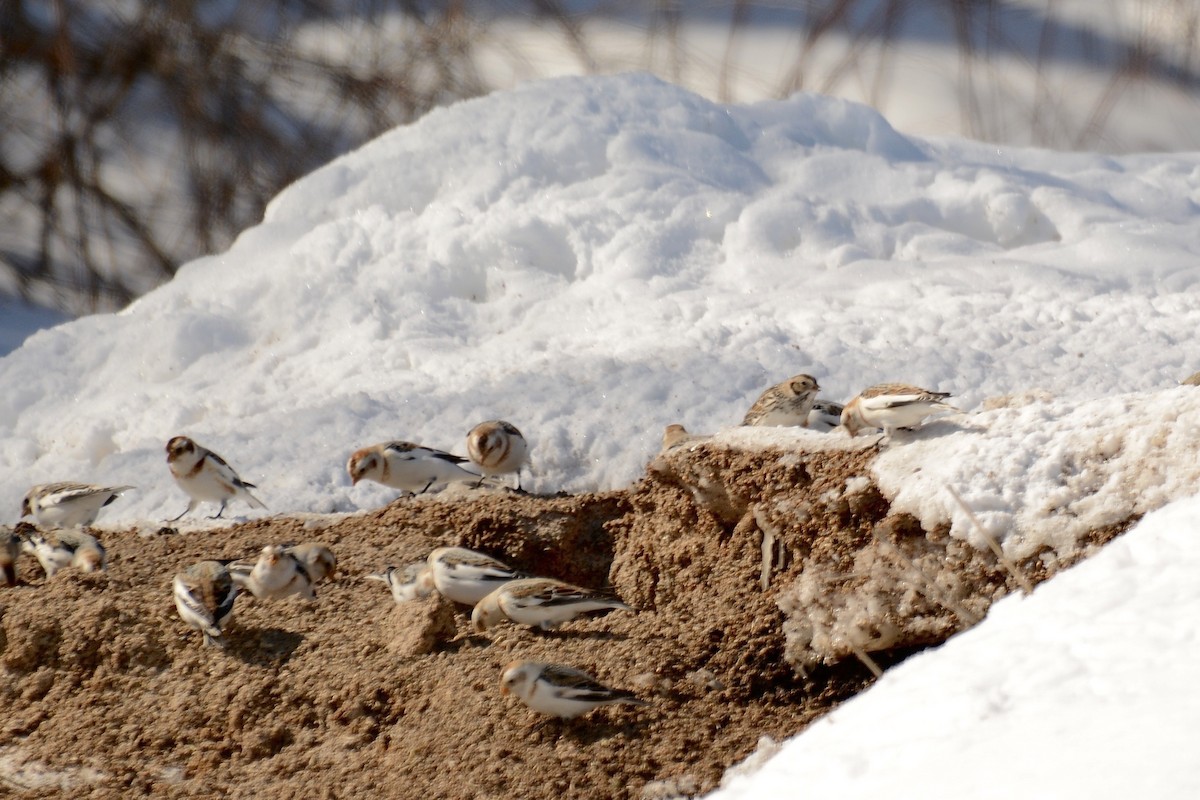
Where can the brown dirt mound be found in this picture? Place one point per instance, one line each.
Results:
(355, 696)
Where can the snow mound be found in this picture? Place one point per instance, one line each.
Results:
(592, 259)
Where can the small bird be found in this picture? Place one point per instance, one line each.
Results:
(205, 476)
(825, 415)
(275, 575)
(57, 550)
(784, 404)
(560, 691)
(407, 466)
(540, 602)
(466, 576)
(676, 436)
(890, 406)
(68, 505)
(10, 551)
(204, 595)
(497, 448)
(318, 560)
(411, 582)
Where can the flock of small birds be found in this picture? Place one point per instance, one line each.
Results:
(205, 592)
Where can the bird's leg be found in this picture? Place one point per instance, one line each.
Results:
(478, 483)
(191, 505)
(220, 511)
(426, 489)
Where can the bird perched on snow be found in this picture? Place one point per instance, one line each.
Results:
(784, 404)
(56, 550)
(204, 595)
(825, 415)
(275, 575)
(540, 602)
(10, 551)
(407, 466)
(497, 448)
(68, 505)
(205, 476)
(466, 576)
(560, 691)
(411, 582)
(890, 406)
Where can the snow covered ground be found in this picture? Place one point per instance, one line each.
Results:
(593, 259)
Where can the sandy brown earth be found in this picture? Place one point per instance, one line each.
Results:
(107, 694)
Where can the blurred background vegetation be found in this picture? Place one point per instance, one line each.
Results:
(136, 135)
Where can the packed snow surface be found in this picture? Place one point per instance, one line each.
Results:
(593, 259)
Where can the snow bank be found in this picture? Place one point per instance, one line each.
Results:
(1083, 689)
(593, 259)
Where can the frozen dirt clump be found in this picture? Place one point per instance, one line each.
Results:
(851, 576)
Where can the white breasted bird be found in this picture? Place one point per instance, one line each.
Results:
(57, 550)
(496, 447)
(892, 405)
(466, 576)
(785, 404)
(825, 415)
(205, 476)
(407, 466)
(275, 575)
(204, 595)
(560, 691)
(410, 582)
(540, 602)
(318, 560)
(10, 551)
(66, 504)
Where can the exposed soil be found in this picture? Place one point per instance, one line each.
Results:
(108, 694)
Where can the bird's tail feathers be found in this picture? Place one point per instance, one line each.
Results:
(253, 501)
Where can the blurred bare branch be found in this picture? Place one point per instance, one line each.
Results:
(138, 134)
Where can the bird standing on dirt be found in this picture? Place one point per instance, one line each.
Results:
(57, 550)
(411, 582)
(540, 602)
(559, 690)
(466, 576)
(204, 595)
(277, 574)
